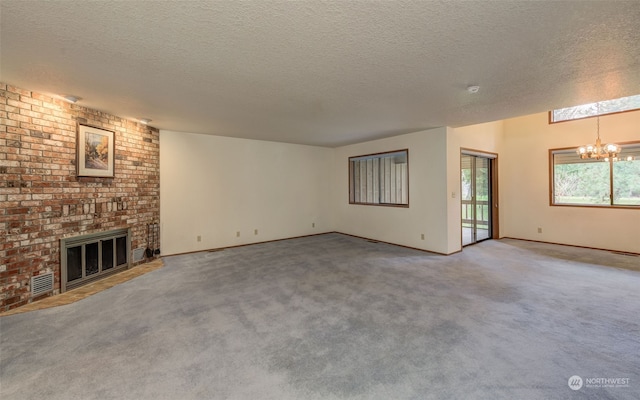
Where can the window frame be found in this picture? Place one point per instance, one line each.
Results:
(552, 203)
(379, 155)
(551, 120)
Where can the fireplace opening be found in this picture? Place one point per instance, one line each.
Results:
(88, 258)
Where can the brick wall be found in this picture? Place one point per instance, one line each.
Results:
(41, 198)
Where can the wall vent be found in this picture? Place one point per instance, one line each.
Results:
(138, 254)
(41, 284)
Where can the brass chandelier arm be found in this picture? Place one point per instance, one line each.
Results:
(597, 151)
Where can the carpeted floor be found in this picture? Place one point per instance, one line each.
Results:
(87, 290)
(336, 317)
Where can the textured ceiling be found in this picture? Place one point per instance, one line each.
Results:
(321, 72)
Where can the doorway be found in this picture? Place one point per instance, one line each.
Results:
(478, 187)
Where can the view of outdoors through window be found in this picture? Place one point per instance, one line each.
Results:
(593, 109)
(475, 198)
(588, 182)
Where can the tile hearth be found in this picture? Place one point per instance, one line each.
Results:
(87, 290)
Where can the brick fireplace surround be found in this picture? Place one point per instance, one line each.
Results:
(41, 198)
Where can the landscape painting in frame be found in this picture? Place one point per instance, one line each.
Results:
(95, 152)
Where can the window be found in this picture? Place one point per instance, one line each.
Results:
(593, 109)
(589, 182)
(380, 179)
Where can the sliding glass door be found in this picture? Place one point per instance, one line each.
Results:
(476, 198)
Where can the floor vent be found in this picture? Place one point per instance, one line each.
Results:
(41, 284)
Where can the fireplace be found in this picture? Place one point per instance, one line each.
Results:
(87, 258)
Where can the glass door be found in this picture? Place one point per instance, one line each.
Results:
(475, 198)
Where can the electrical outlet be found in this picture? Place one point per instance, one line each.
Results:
(313, 224)
(453, 195)
(199, 238)
(255, 231)
(238, 234)
(422, 236)
(539, 230)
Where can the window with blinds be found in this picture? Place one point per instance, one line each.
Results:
(380, 179)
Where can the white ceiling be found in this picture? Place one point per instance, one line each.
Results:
(322, 72)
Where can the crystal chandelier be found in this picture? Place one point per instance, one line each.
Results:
(598, 151)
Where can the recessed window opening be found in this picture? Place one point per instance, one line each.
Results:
(605, 107)
(380, 179)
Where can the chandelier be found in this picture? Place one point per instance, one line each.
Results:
(598, 151)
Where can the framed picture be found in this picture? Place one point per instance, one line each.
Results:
(95, 149)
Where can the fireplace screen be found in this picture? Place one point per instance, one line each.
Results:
(89, 257)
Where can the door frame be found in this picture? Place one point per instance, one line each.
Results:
(493, 167)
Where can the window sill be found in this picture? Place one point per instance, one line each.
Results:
(381, 205)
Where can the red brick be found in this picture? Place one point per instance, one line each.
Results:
(18, 90)
(9, 122)
(18, 117)
(30, 100)
(18, 104)
(47, 201)
(44, 98)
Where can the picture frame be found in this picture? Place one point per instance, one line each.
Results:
(95, 149)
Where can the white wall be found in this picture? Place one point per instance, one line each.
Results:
(213, 186)
(427, 194)
(525, 184)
